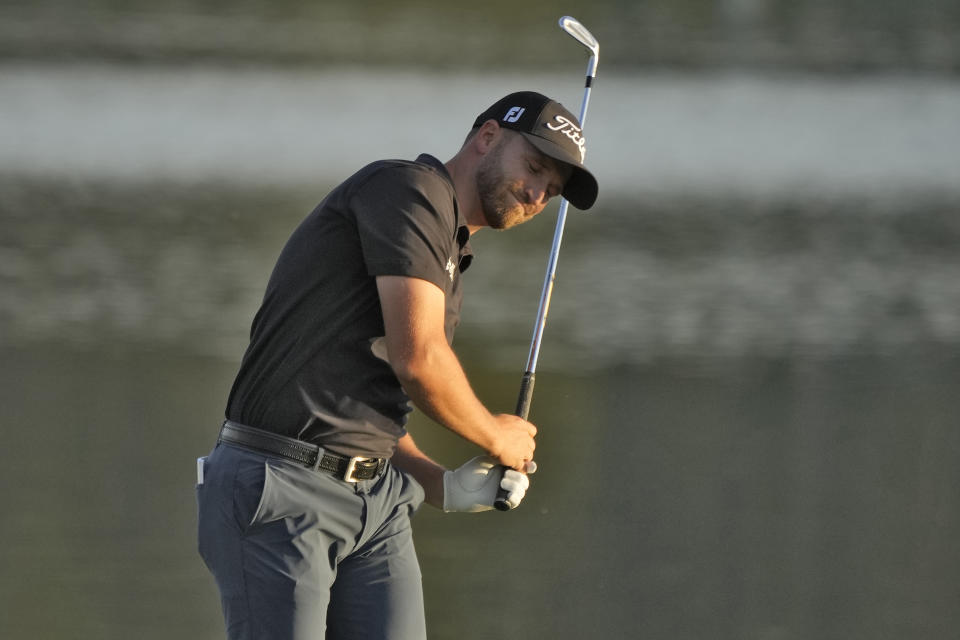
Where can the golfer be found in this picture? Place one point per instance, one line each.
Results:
(305, 502)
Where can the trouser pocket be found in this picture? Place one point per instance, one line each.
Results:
(228, 500)
(248, 492)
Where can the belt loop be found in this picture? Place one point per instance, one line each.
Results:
(316, 463)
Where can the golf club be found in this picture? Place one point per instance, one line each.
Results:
(579, 33)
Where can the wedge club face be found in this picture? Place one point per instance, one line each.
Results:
(580, 33)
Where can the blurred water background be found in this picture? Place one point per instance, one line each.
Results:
(747, 393)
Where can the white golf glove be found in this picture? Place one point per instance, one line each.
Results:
(473, 487)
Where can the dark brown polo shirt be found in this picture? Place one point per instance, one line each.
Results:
(315, 367)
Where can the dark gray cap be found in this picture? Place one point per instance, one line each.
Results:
(554, 131)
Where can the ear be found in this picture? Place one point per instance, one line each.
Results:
(487, 136)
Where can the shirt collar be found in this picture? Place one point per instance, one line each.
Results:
(463, 233)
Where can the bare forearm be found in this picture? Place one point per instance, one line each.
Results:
(424, 363)
(438, 386)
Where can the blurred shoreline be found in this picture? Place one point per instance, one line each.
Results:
(740, 215)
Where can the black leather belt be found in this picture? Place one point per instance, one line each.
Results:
(305, 453)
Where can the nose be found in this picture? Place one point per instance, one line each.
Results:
(537, 194)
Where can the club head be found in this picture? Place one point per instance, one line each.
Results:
(580, 34)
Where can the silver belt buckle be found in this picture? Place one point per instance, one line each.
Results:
(351, 467)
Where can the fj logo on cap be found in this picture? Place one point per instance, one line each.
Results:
(572, 131)
(514, 114)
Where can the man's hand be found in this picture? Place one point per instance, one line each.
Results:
(473, 487)
(514, 443)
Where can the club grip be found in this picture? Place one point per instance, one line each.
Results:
(501, 503)
(523, 410)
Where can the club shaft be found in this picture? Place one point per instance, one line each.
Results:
(547, 291)
(529, 377)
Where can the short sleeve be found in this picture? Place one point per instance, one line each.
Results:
(405, 221)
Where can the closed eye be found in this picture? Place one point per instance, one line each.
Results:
(537, 169)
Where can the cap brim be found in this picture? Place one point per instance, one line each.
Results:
(581, 189)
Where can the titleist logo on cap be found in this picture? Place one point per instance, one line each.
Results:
(572, 131)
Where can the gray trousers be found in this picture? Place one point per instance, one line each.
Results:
(299, 554)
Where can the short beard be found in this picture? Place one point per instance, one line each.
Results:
(493, 192)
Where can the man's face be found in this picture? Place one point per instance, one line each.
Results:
(515, 181)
